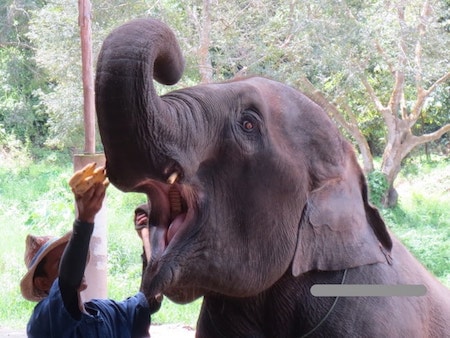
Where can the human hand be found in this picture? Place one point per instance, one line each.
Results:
(140, 219)
(90, 203)
(141, 215)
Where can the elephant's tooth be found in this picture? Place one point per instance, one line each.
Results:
(175, 201)
(172, 178)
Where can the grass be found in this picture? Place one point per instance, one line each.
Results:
(422, 218)
(34, 198)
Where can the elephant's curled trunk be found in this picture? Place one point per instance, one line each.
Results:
(128, 107)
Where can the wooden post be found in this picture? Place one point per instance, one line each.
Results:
(84, 21)
(96, 269)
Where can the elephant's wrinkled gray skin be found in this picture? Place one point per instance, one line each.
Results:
(272, 201)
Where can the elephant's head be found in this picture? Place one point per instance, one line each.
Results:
(247, 180)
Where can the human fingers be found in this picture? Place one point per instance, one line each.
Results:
(141, 219)
(98, 194)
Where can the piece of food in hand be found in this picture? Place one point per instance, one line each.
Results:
(81, 174)
(83, 179)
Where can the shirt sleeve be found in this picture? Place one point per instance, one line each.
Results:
(73, 264)
(130, 317)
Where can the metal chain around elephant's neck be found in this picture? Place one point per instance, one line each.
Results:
(328, 313)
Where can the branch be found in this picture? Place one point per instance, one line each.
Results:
(17, 45)
(422, 30)
(444, 78)
(415, 141)
(376, 101)
(421, 97)
(395, 100)
(384, 56)
(421, 93)
(436, 134)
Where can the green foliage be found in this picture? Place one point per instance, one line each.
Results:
(12, 150)
(20, 112)
(436, 114)
(378, 185)
(20, 109)
(422, 218)
(331, 43)
(426, 235)
(31, 197)
(54, 30)
(412, 166)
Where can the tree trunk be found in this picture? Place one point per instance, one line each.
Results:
(390, 167)
(400, 144)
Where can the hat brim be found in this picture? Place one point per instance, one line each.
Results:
(26, 284)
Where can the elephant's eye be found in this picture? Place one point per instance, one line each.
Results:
(248, 125)
(249, 122)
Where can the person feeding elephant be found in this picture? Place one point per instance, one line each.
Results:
(55, 278)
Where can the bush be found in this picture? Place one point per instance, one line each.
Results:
(378, 186)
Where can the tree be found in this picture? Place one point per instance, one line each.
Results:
(21, 114)
(411, 66)
(54, 32)
(378, 67)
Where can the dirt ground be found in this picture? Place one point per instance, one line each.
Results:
(172, 331)
(156, 331)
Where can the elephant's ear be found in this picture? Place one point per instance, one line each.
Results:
(339, 229)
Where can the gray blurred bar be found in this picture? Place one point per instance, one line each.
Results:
(367, 290)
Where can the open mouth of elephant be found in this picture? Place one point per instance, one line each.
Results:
(172, 210)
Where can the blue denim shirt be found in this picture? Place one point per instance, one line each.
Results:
(105, 318)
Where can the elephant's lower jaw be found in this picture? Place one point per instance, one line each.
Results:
(163, 277)
(183, 296)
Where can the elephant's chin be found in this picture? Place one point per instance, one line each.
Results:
(164, 278)
(183, 296)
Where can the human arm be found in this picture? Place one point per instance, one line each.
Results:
(73, 261)
(141, 216)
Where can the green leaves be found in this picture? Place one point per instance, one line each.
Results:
(332, 44)
(378, 186)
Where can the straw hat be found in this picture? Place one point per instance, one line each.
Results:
(36, 248)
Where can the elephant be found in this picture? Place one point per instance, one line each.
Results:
(255, 196)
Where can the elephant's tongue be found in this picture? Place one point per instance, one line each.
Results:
(175, 226)
(161, 236)
(158, 241)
